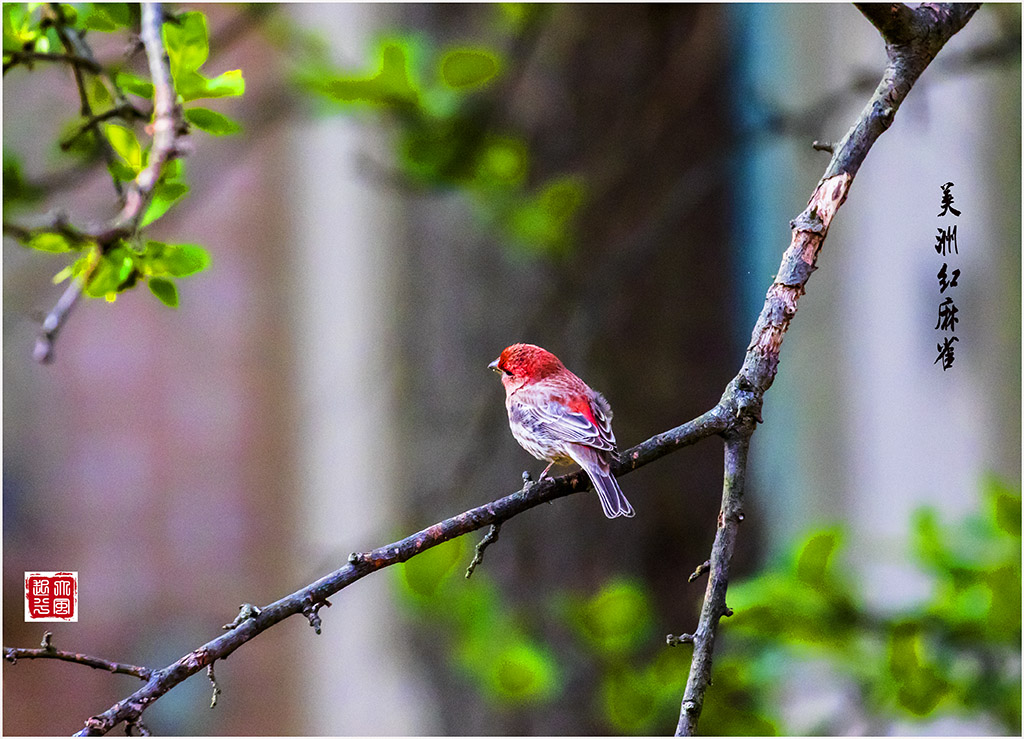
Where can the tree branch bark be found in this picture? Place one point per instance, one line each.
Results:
(13, 654)
(714, 606)
(913, 38)
(254, 621)
(27, 57)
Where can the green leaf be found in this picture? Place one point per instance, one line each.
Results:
(424, 573)
(114, 269)
(920, 686)
(134, 84)
(928, 546)
(1004, 504)
(503, 161)
(522, 672)
(543, 222)
(391, 86)
(629, 702)
(126, 145)
(174, 171)
(97, 20)
(107, 16)
(211, 121)
(616, 619)
(165, 290)
(70, 13)
(194, 86)
(176, 260)
(463, 68)
(50, 242)
(120, 170)
(187, 43)
(229, 84)
(99, 95)
(1004, 614)
(42, 43)
(16, 189)
(165, 195)
(813, 562)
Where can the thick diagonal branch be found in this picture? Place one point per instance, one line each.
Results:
(716, 421)
(913, 38)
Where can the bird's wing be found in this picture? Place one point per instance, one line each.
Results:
(561, 422)
(603, 416)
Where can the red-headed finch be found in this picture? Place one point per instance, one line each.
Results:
(555, 416)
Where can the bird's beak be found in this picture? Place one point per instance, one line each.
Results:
(494, 366)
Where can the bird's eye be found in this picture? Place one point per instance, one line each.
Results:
(507, 372)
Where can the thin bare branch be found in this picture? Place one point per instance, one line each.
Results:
(15, 58)
(126, 111)
(714, 607)
(13, 654)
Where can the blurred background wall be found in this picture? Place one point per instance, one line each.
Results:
(323, 388)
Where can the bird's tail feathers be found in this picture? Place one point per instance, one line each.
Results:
(613, 501)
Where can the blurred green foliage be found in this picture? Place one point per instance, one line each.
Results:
(491, 644)
(957, 652)
(121, 103)
(443, 104)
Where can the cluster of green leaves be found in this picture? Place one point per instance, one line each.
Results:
(114, 268)
(122, 267)
(956, 652)
(442, 101)
(497, 648)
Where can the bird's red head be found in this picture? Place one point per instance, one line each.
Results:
(522, 363)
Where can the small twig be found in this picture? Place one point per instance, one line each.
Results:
(489, 538)
(48, 651)
(74, 44)
(27, 57)
(55, 319)
(137, 723)
(823, 146)
(701, 569)
(312, 612)
(213, 681)
(126, 111)
(675, 641)
(245, 612)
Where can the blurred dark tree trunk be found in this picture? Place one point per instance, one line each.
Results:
(631, 99)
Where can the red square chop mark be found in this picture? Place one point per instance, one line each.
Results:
(51, 596)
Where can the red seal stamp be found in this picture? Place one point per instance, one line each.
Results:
(51, 596)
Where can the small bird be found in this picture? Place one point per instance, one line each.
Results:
(555, 416)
